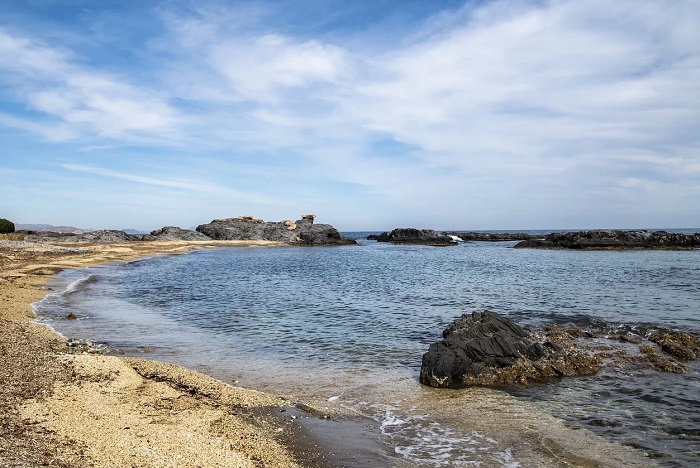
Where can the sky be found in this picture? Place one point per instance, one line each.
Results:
(471, 115)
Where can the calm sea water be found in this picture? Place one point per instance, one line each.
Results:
(346, 327)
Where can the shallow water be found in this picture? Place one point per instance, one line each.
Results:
(346, 328)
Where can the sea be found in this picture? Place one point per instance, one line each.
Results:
(345, 328)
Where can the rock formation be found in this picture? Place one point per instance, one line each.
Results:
(491, 236)
(302, 232)
(175, 233)
(614, 240)
(484, 348)
(414, 236)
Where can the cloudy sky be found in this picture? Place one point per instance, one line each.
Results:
(371, 114)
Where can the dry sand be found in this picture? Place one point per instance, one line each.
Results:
(63, 409)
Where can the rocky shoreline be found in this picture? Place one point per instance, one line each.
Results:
(614, 240)
(487, 349)
(241, 228)
(600, 239)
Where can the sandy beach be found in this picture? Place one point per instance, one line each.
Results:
(62, 408)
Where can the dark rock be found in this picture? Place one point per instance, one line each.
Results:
(71, 316)
(301, 232)
(492, 236)
(176, 233)
(614, 240)
(414, 236)
(487, 349)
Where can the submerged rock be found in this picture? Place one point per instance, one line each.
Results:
(614, 240)
(303, 231)
(414, 236)
(681, 345)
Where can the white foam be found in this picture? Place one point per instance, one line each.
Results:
(78, 284)
(457, 239)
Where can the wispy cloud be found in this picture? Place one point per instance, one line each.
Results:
(190, 185)
(500, 113)
(88, 102)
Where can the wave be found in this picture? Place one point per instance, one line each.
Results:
(80, 284)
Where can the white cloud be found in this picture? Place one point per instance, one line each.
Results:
(527, 110)
(89, 102)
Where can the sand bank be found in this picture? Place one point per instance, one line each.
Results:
(89, 410)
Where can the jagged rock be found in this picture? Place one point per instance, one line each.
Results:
(614, 240)
(302, 231)
(175, 233)
(414, 236)
(487, 349)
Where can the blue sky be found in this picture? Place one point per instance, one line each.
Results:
(370, 114)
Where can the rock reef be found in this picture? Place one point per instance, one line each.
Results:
(486, 349)
(491, 236)
(614, 240)
(414, 236)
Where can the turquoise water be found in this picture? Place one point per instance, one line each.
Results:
(346, 327)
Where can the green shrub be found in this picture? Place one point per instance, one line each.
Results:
(6, 226)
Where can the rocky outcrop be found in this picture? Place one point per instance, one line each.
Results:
(492, 236)
(486, 349)
(414, 236)
(103, 236)
(173, 233)
(614, 240)
(301, 232)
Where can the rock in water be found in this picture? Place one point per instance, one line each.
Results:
(414, 236)
(486, 349)
(614, 240)
(303, 231)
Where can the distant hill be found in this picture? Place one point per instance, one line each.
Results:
(65, 229)
(49, 227)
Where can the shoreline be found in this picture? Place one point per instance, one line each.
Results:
(89, 409)
(145, 413)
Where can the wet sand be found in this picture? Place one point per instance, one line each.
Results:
(64, 409)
